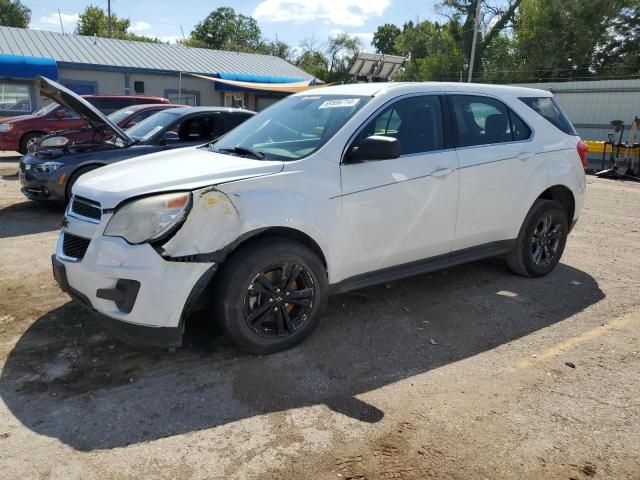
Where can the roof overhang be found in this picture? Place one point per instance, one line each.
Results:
(18, 66)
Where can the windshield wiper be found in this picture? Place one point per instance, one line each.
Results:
(240, 150)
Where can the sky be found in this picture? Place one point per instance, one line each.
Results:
(292, 21)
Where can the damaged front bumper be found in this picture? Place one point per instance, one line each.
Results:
(142, 298)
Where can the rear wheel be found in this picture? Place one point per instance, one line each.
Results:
(541, 240)
(270, 295)
(29, 139)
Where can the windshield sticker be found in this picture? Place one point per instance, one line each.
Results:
(342, 103)
(152, 132)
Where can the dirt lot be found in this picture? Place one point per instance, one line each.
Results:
(470, 373)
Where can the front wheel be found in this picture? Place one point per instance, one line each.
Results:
(28, 140)
(541, 240)
(74, 177)
(270, 295)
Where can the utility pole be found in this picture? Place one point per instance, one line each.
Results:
(473, 42)
(109, 18)
(60, 18)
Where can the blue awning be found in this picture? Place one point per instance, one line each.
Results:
(246, 77)
(18, 66)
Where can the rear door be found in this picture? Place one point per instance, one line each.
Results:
(404, 209)
(497, 158)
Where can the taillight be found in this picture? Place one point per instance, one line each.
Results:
(583, 149)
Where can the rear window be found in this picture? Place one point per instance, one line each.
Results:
(550, 110)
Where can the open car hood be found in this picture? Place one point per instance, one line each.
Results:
(87, 112)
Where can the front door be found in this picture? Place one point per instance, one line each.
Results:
(404, 209)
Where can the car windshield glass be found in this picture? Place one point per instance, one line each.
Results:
(292, 128)
(46, 109)
(148, 127)
(120, 115)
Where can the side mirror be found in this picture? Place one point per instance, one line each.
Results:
(375, 147)
(59, 113)
(169, 137)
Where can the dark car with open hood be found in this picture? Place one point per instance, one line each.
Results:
(49, 172)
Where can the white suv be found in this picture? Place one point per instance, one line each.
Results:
(326, 191)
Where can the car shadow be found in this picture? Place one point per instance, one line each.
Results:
(68, 379)
(30, 217)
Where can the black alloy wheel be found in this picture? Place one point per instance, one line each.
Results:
(279, 300)
(545, 241)
(541, 240)
(269, 294)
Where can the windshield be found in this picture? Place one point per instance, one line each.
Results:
(120, 115)
(46, 109)
(292, 128)
(148, 127)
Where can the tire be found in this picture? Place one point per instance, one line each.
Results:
(251, 281)
(541, 240)
(74, 178)
(27, 139)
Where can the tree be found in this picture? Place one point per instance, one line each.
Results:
(276, 48)
(432, 50)
(94, 21)
(14, 14)
(495, 20)
(330, 61)
(619, 54)
(225, 29)
(384, 38)
(560, 39)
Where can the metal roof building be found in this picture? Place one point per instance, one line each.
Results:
(91, 65)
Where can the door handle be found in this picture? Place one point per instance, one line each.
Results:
(525, 156)
(442, 172)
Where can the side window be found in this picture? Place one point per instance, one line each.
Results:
(415, 121)
(232, 120)
(548, 108)
(144, 114)
(196, 129)
(519, 129)
(480, 120)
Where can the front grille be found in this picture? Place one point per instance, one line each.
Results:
(74, 246)
(86, 208)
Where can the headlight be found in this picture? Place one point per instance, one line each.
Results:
(54, 142)
(5, 127)
(149, 219)
(46, 167)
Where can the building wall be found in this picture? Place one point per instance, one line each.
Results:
(157, 85)
(85, 81)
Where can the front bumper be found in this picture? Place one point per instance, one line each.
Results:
(139, 335)
(43, 186)
(9, 142)
(153, 313)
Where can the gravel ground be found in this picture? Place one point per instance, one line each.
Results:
(468, 373)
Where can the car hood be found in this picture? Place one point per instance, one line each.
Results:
(179, 169)
(84, 109)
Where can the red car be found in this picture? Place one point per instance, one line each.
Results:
(18, 133)
(129, 116)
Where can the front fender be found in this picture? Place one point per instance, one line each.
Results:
(212, 224)
(225, 215)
